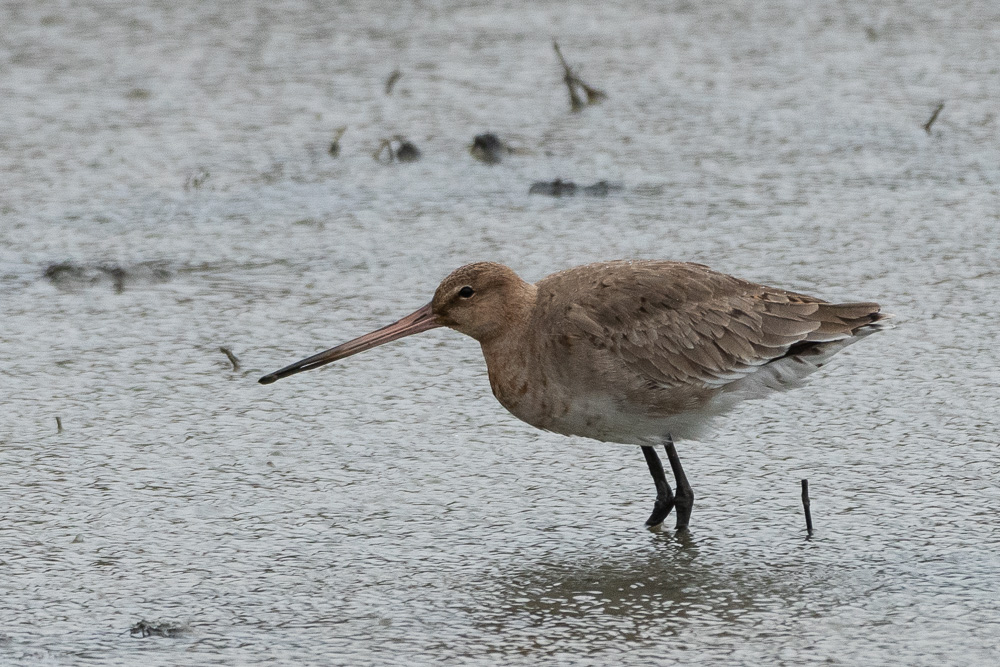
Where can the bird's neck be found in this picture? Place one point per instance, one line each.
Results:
(514, 319)
(510, 353)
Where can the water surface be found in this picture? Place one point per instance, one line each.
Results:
(172, 157)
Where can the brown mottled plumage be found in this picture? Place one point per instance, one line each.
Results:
(629, 351)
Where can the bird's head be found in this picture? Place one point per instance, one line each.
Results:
(481, 300)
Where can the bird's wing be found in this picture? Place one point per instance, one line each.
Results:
(674, 324)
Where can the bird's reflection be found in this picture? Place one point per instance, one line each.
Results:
(678, 580)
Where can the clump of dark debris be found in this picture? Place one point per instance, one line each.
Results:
(556, 188)
(69, 275)
(156, 629)
(397, 149)
(601, 189)
(197, 179)
(561, 188)
(488, 148)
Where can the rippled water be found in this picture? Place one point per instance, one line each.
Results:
(167, 190)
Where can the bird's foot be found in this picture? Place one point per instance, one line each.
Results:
(661, 509)
(684, 504)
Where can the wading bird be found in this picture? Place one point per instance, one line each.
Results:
(635, 352)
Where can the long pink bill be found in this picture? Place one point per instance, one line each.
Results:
(421, 320)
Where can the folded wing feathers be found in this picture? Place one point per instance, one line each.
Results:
(675, 323)
(711, 329)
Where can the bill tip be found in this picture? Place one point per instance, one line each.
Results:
(268, 379)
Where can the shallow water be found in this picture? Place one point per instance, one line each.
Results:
(173, 158)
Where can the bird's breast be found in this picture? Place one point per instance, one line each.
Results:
(527, 395)
(564, 394)
(549, 398)
(531, 387)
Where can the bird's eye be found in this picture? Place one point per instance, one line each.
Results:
(466, 292)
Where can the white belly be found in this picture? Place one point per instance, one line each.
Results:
(602, 418)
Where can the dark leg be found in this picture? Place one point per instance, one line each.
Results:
(685, 496)
(664, 496)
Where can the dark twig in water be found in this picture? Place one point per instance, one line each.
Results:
(58, 425)
(593, 94)
(232, 357)
(575, 103)
(927, 125)
(385, 146)
(805, 506)
(391, 81)
(335, 144)
(572, 82)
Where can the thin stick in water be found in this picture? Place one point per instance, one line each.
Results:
(575, 103)
(59, 425)
(334, 149)
(805, 506)
(391, 81)
(927, 125)
(232, 357)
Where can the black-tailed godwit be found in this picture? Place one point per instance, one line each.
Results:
(636, 352)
